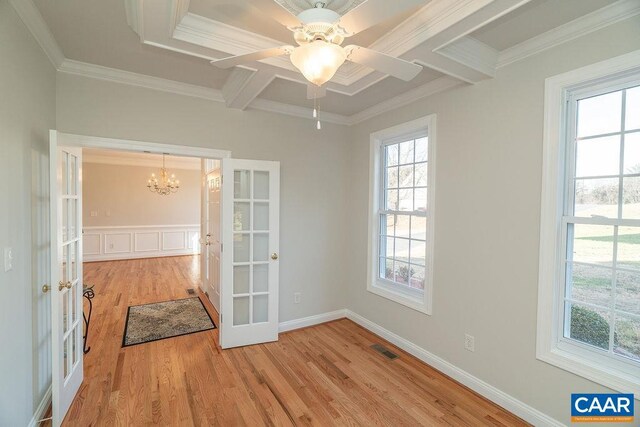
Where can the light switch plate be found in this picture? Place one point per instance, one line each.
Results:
(8, 259)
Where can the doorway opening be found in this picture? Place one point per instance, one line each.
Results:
(240, 282)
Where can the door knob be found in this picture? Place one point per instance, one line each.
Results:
(45, 288)
(274, 256)
(67, 285)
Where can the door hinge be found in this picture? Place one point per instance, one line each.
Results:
(221, 246)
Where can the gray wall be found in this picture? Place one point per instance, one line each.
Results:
(121, 191)
(489, 165)
(313, 170)
(27, 112)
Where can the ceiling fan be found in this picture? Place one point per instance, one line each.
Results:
(320, 32)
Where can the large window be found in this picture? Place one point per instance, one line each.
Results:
(589, 300)
(402, 188)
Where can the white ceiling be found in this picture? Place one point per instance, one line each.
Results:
(174, 40)
(131, 158)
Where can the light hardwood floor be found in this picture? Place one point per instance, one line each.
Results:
(323, 375)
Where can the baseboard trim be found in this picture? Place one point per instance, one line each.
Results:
(129, 255)
(305, 322)
(41, 409)
(497, 396)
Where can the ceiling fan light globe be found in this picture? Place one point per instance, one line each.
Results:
(318, 61)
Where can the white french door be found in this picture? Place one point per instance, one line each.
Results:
(66, 275)
(250, 265)
(212, 239)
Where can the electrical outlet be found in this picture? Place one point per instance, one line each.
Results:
(297, 297)
(94, 213)
(469, 342)
(110, 245)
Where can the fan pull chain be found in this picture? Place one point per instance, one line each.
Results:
(316, 112)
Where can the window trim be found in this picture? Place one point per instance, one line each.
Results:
(416, 300)
(550, 345)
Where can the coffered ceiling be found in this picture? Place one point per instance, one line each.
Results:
(456, 41)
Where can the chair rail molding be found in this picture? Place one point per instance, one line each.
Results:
(146, 241)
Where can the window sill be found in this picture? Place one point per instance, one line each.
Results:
(416, 302)
(583, 366)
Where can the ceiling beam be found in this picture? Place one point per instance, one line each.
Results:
(243, 86)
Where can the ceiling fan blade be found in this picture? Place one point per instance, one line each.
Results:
(316, 92)
(373, 12)
(232, 61)
(396, 67)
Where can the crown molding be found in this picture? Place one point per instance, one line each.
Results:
(594, 21)
(428, 89)
(84, 69)
(30, 15)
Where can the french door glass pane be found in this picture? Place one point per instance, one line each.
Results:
(592, 244)
(241, 247)
(65, 219)
(590, 284)
(628, 292)
(599, 114)
(241, 279)
(64, 268)
(241, 184)
(66, 355)
(73, 190)
(66, 319)
(627, 337)
(260, 247)
(240, 311)
(260, 277)
(589, 325)
(597, 197)
(632, 119)
(260, 308)
(73, 219)
(598, 156)
(261, 216)
(241, 216)
(261, 185)
(65, 175)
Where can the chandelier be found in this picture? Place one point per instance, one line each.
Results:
(165, 185)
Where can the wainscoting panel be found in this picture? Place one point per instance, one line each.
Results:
(149, 241)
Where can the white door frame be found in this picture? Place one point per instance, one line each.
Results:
(84, 141)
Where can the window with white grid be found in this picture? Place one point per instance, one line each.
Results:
(601, 222)
(401, 222)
